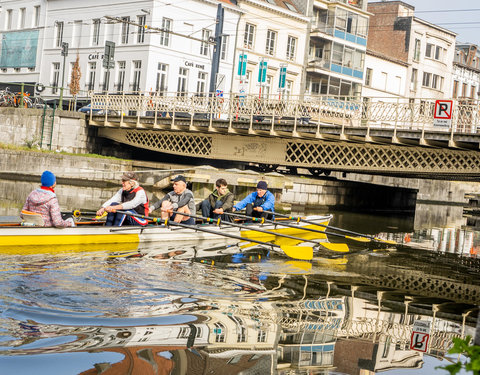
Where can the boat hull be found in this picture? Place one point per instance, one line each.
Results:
(28, 240)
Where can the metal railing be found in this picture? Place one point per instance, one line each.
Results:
(304, 113)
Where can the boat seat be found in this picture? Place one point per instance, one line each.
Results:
(32, 218)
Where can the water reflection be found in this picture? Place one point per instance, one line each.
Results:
(219, 310)
(242, 314)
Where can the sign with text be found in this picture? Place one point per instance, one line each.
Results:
(420, 335)
(283, 76)
(262, 72)
(242, 64)
(443, 113)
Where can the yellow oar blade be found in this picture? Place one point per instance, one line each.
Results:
(359, 239)
(298, 252)
(340, 247)
(390, 242)
(300, 265)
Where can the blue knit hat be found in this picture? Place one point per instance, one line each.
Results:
(48, 179)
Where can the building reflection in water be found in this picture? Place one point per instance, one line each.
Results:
(360, 330)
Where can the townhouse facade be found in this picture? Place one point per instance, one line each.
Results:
(271, 43)
(335, 62)
(466, 72)
(427, 49)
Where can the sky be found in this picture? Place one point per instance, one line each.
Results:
(459, 16)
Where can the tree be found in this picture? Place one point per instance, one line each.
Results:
(75, 77)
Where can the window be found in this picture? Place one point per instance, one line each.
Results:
(223, 52)
(249, 35)
(182, 81)
(262, 336)
(96, 32)
(398, 84)
(55, 77)
(464, 90)
(368, 77)
(270, 45)
(8, 22)
(76, 33)
(141, 20)
(204, 45)
(58, 34)
(106, 80)
(92, 68)
(121, 75)
(291, 48)
(416, 52)
(165, 35)
(455, 89)
(36, 16)
(267, 89)
(201, 83)
(162, 74)
(435, 81)
(271, 2)
(427, 77)
(341, 19)
(22, 18)
(438, 53)
(413, 80)
(429, 50)
(288, 89)
(473, 89)
(125, 28)
(137, 68)
(384, 82)
(290, 6)
(219, 331)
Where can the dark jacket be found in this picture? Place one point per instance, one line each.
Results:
(227, 200)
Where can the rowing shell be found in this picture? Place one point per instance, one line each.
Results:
(29, 240)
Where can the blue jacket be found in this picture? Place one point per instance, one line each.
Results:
(268, 205)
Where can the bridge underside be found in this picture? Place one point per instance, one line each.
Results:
(370, 158)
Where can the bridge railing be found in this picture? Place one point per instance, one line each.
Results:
(307, 111)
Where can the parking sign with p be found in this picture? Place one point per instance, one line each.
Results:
(443, 113)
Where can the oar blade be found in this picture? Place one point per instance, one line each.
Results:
(390, 242)
(339, 247)
(298, 252)
(359, 239)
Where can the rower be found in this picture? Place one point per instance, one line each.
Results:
(258, 202)
(132, 198)
(180, 200)
(218, 202)
(41, 207)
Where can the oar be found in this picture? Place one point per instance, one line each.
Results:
(296, 252)
(341, 247)
(331, 246)
(362, 237)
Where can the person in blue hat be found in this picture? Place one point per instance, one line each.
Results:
(257, 203)
(41, 206)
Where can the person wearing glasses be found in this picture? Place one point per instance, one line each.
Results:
(132, 198)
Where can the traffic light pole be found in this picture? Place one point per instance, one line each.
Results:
(217, 47)
(64, 54)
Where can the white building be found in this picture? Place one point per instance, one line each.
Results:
(385, 78)
(273, 33)
(146, 59)
(428, 49)
(466, 72)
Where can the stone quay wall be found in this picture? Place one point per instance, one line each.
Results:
(65, 130)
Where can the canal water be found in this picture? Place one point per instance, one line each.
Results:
(377, 308)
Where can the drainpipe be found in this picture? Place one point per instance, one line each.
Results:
(234, 55)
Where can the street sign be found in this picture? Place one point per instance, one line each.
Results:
(443, 113)
(420, 335)
(64, 49)
(283, 75)
(219, 93)
(242, 64)
(108, 55)
(262, 72)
